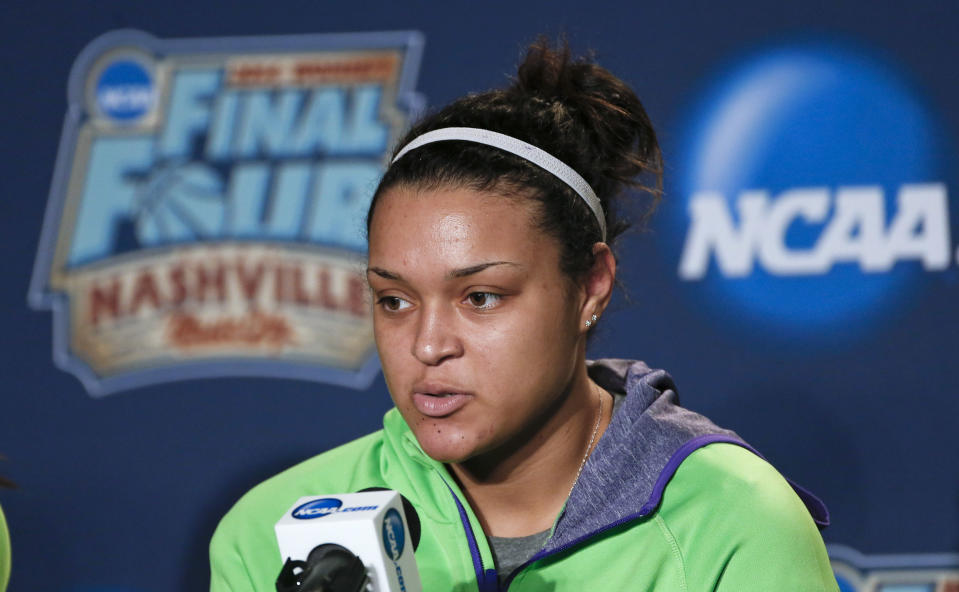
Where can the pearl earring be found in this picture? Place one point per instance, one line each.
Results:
(590, 322)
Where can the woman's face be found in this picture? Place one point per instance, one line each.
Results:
(478, 329)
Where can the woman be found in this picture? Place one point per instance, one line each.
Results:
(530, 467)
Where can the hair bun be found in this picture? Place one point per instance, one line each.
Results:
(607, 131)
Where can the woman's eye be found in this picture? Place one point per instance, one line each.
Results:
(484, 299)
(393, 303)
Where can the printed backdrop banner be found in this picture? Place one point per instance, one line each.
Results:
(184, 195)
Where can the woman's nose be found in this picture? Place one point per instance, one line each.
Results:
(436, 339)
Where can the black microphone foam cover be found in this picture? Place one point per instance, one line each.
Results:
(412, 518)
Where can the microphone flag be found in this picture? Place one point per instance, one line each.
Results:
(372, 525)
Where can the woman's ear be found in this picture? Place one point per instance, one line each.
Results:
(598, 285)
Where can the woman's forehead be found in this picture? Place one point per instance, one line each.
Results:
(462, 227)
(450, 214)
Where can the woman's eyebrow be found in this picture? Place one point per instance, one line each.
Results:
(387, 275)
(465, 271)
(454, 274)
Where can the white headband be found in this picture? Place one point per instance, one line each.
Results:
(540, 158)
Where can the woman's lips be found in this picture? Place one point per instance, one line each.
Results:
(439, 405)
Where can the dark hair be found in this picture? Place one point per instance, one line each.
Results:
(573, 109)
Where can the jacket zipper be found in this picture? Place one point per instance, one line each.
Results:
(486, 579)
(541, 555)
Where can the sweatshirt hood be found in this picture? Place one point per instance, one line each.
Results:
(646, 441)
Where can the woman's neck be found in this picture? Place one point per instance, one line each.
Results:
(519, 488)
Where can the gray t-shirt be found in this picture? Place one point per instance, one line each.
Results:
(512, 552)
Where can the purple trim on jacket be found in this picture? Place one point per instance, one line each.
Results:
(485, 579)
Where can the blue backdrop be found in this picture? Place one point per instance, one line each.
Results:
(799, 281)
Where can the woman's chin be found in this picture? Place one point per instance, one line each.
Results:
(451, 447)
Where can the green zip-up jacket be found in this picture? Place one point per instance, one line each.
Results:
(667, 502)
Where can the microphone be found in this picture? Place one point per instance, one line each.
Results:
(351, 542)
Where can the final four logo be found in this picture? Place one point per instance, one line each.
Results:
(207, 209)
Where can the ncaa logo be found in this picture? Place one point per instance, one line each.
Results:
(123, 91)
(394, 541)
(812, 193)
(317, 508)
(394, 536)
